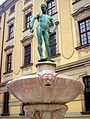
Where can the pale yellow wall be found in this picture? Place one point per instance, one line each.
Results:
(14, 110)
(74, 106)
(67, 46)
(18, 37)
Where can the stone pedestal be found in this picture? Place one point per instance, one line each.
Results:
(45, 111)
(48, 65)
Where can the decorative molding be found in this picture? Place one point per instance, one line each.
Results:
(75, 1)
(29, 7)
(3, 89)
(9, 47)
(84, 48)
(3, 84)
(6, 5)
(27, 40)
(11, 20)
(72, 65)
(77, 115)
(25, 66)
(83, 11)
(5, 73)
(8, 75)
(84, 113)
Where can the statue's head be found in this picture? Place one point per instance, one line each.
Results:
(44, 8)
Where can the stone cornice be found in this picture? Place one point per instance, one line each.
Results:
(28, 37)
(75, 1)
(73, 65)
(10, 20)
(80, 11)
(7, 4)
(28, 7)
(8, 47)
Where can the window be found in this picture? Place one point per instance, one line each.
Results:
(5, 104)
(12, 9)
(0, 18)
(11, 32)
(9, 62)
(51, 7)
(53, 44)
(86, 81)
(84, 27)
(27, 54)
(27, 20)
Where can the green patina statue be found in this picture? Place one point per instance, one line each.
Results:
(44, 21)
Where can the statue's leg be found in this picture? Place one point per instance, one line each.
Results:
(39, 36)
(47, 45)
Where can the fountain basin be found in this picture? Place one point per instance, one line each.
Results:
(45, 87)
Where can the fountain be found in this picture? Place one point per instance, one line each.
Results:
(45, 93)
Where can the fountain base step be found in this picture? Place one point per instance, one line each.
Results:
(45, 111)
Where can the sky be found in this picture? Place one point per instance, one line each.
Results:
(1, 1)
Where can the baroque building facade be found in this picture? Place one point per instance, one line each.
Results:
(70, 49)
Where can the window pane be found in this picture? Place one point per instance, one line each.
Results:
(9, 62)
(83, 39)
(53, 3)
(82, 27)
(53, 44)
(6, 103)
(28, 19)
(53, 10)
(88, 24)
(49, 12)
(51, 7)
(88, 34)
(27, 55)
(11, 31)
(86, 81)
(84, 31)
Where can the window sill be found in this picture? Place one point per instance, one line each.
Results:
(9, 39)
(54, 13)
(25, 66)
(75, 1)
(83, 46)
(25, 30)
(87, 112)
(7, 72)
(9, 47)
(22, 114)
(7, 114)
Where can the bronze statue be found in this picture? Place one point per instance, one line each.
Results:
(44, 21)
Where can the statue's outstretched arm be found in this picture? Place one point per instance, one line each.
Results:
(32, 20)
